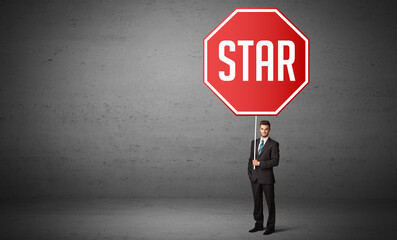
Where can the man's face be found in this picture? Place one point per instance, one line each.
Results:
(265, 129)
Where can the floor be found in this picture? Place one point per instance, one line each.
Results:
(195, 219)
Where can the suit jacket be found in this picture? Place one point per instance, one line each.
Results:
(268, 159)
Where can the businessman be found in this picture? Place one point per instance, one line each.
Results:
(262, 177)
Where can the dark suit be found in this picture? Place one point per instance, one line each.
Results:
(262, 180)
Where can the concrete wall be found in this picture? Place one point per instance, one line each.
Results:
(105, 99)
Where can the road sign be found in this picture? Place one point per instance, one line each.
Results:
(256, 61)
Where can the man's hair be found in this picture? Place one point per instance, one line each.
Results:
(265, 122)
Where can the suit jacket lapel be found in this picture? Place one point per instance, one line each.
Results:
(257, 147)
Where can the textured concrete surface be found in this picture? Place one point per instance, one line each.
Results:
(105, 99)
(186, 219)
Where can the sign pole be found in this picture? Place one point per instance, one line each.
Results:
(256, 123)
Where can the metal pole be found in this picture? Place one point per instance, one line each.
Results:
(256, 123)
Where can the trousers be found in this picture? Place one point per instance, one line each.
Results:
(257, 190)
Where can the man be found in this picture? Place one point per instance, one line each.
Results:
(262, 177)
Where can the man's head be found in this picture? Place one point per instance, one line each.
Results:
(264, 128)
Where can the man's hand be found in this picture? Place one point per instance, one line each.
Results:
(255, 162)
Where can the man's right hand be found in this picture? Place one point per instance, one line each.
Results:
(255, 162)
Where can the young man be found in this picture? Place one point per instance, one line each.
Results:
(262, 177)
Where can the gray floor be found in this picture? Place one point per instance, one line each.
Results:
(195, 219)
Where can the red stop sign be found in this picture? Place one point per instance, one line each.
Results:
(256, 61)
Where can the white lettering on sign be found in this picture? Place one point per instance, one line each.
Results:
(259, 60)
(245, 44)
(260, 63)
(228, 61)
(287, 62)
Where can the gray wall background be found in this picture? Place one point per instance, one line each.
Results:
(106, 99)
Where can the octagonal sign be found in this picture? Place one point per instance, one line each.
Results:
(256, 61)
